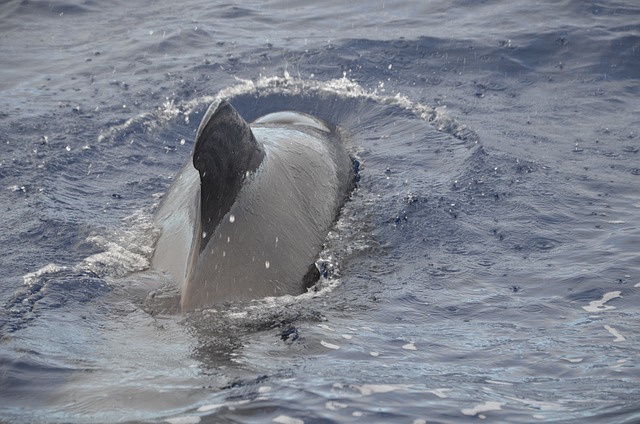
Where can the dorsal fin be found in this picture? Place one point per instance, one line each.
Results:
(225, 152)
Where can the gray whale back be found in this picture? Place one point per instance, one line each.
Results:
(248, 218)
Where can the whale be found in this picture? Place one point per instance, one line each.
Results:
(247, 217)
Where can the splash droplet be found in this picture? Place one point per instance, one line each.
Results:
(232, 218)
(267, 264)
(204, 234)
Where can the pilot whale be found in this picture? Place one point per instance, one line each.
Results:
(248, 217)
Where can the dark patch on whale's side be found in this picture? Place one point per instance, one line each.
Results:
(225, 152)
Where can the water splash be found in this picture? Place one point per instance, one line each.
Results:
(270, 85)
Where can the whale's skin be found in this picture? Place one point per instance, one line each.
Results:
(263, 237)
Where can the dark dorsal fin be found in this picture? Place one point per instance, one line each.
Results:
(225, 152)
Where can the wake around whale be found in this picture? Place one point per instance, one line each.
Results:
(248, 218)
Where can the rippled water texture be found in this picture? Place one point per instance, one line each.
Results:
(486, 266)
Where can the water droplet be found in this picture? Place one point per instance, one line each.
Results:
(224, 253)
(228, 239)
(232, 218)
(276, 241)
(267, 264)
(204, 234)
(182, 141)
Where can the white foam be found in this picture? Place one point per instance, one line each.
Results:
(618, 337)
(483, 407)
(192, 419)
(335, 406)
(284, 419)
(32, 277)
(370, 389)
(410, 346)
(441, 393)
(17, 188)
(215, 406)
(329, 345)
(599, 305)
(326, 327)
(116, 261)
(237, 314)
(324, 286)
(126, 250)
(499, 383)
(617, 367)
(574, 360)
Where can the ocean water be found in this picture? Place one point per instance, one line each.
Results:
(487, 266)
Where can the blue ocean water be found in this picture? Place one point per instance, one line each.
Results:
(486, 266)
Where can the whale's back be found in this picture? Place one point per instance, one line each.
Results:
(266, 241)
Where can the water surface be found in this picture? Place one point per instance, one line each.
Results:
(486, 267)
